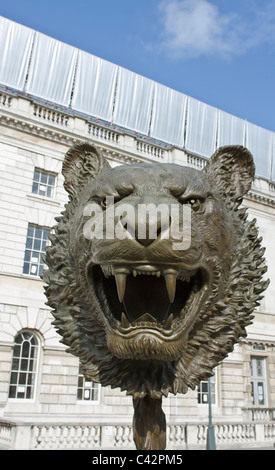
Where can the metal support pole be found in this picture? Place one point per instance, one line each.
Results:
(210, 443)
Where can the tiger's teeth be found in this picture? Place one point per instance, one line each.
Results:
(170, 279)
(124, 321)
(120, 285)
(107, 270)
(167, 324)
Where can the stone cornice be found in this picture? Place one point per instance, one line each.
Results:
(257, 342)
(261, 198)
(38, 130)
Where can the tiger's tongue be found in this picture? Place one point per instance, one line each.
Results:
(146, 295)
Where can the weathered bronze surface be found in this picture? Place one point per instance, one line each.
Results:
(140, 314)
(149, 424)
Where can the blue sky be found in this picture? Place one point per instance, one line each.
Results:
(219, 52)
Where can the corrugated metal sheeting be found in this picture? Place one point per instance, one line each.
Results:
(51, 70)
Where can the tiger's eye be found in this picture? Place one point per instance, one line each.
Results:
(195, 203)
(106, 202)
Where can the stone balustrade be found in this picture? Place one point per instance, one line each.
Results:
(260, 414)
(66, 436)
(101, 132)
(119, 436)
(50, 115)
(150, 149)
(196, 162)
(5, 100)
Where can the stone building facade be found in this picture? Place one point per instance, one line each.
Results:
(44, 401)
(56, 408)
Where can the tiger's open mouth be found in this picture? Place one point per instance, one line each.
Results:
(145, 296)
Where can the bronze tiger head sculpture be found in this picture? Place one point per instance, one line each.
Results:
(142, 310)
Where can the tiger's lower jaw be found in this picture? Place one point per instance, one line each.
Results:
(146, 346)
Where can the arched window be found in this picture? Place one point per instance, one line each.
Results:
(24, 365)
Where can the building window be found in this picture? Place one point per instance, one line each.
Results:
(37, 239)
(258, 381)
(43, 183)
(87, 389)
(259, 347)
(24, 366)
(203, 391)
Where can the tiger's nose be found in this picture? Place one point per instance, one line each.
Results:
(150, 224)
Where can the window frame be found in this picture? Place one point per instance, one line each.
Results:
(82, 388)
(19, 371)
(255, 379)
(214, 400)
(31, 252)
(42, 172)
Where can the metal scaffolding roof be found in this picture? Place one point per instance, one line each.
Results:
(57, 72)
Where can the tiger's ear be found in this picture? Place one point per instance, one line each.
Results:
(83, 162)
(231, 169)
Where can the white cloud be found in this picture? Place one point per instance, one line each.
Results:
(192, 28)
